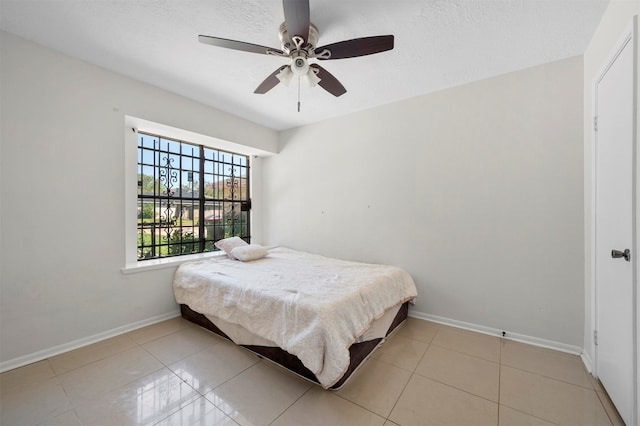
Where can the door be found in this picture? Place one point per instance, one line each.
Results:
(614, 228)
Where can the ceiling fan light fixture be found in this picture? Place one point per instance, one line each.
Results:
(285, 76)
(299, 65)
(312, 78)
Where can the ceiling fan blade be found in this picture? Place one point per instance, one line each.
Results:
(357, 47)
(269, 82)
(296, 18)
(328, 82)
(237, 45)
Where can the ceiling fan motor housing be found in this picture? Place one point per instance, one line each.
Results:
(299, 64)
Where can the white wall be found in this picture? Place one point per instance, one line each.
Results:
(477, 191)
(616, 19)
(62, 190)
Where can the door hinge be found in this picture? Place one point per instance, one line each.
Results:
(595, 123)
(595, 337)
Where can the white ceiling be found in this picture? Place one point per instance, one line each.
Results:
(438, 44)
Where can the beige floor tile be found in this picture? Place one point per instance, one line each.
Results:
(181, 344)
(401, 351)
(100, 377)
(319, 407)
(465, 372)
(214, 365)
(456, 378)
(88, 354)
(376, 386)
(427, 402)
(144, 401)
(474, 344)
(611, 410)
(259, 394)
(33, 403)
(200, 412)
(68, 418)
(558, 365)
(157, 330)
(510, 417)
(550, 399)
(418, 329)
(37, 372)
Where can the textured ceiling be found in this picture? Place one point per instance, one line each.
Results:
(438, 44)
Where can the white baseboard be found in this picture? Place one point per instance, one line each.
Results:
(586, 359)
(523, 338)
(56, 350)
(65, 347)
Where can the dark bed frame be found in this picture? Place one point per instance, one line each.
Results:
(358, 351)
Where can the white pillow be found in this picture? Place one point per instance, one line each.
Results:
(249, 252)
(228, 244)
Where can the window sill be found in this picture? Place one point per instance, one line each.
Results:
(149, 265)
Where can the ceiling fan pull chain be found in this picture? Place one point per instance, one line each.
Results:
(298, 94)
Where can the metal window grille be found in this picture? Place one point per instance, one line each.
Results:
(189, 197)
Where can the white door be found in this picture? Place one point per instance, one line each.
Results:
(614, 229)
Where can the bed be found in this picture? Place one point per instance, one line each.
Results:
(316, 316)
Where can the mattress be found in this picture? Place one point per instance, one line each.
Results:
(358, 352)
(241, 336)
(311, 306)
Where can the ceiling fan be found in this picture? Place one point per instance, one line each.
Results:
(299, 39)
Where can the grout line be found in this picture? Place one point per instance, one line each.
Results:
(72, 403)
(361, 406)
(467, 354)
(91, 362)
(412, 373)
(535, 373)
(468, 332)
(204, 395)
(457, 388)
(292, 404)
(402, 368)
(609, 402)
(400, 396)
(528, 414)
(337, 393)
(556, 380)
(181, 406)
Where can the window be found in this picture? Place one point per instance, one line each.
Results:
(189, 197)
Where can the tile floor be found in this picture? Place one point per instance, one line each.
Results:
(175, 373)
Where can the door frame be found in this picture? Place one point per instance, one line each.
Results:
(630, 35)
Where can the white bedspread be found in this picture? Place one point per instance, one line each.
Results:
(312, 306)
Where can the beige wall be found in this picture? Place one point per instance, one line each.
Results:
(476, 191)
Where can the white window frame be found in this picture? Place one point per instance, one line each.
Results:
(131, 128)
